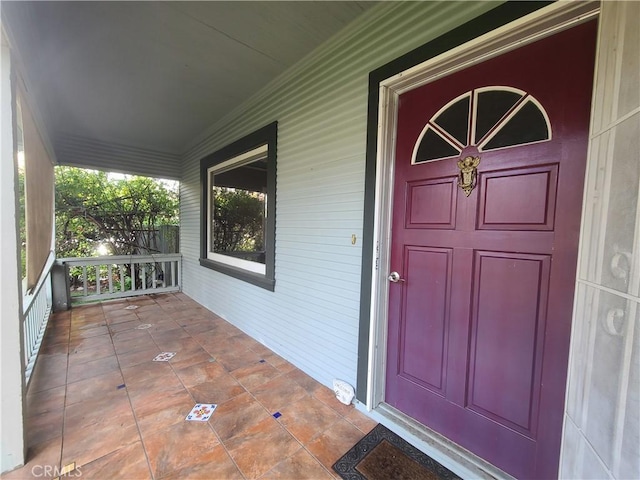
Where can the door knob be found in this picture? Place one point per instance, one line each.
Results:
(395, 277)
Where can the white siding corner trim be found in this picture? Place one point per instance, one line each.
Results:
(12, 414)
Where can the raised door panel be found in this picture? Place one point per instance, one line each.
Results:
(431, 204)
(507, 329)
(518, 199)
(423, 331)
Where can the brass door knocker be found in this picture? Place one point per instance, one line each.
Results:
(468, 176)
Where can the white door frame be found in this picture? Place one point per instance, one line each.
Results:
(539, 24)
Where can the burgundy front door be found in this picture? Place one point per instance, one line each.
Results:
(480, 312)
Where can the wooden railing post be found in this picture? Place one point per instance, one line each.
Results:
(61, 289)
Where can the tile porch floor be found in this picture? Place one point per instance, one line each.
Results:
(77, 413)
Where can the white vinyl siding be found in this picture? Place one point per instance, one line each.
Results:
(87, 153)
(311, 318)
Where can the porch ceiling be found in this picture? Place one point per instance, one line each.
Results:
(157, 74)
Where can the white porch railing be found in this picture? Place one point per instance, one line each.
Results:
(36, 306)
(118, 276)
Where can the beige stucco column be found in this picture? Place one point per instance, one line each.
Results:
(602, 418)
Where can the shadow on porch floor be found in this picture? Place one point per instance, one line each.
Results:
(98, 399)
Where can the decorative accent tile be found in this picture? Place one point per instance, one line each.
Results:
(131, 307)
(164, 356)
(66, 469)
(201, 412)
(144, 326)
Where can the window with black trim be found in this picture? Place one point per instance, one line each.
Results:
(238, 208)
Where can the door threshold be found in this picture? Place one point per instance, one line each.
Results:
(450, 455)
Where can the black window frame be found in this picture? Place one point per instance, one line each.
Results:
(266, 135)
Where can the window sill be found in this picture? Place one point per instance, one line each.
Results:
(254, 278)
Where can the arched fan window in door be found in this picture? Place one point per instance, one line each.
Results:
(489, 118)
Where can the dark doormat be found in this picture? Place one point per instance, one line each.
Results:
(382, 455)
